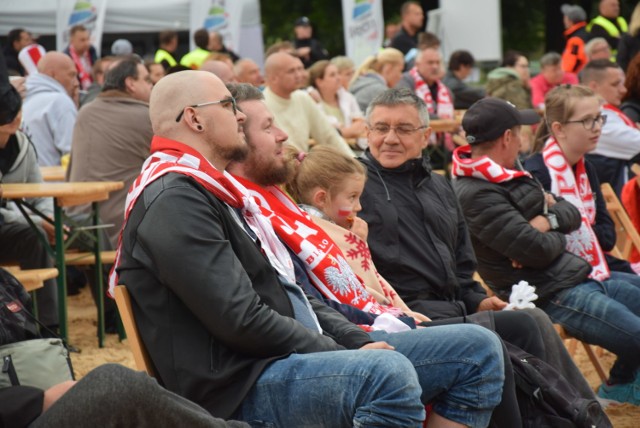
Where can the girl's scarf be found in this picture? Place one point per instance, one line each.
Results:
(576, 189)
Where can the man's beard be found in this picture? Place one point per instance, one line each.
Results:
(236, 153)
(266, 173)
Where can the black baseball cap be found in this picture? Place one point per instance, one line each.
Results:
(489, 118)
(303, 21)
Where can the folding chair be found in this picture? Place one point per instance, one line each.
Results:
(627, 236)
(140, 355)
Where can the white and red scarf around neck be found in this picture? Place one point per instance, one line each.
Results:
(324, 261)
(443, 108)
(576, 189)
(483, 167)
(172, 156)
(626, 119)
(80, 61)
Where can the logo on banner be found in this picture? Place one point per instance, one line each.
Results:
(84, 13)
(217, 18)
(363, 24)
(361, 8)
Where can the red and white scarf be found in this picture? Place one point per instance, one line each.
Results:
(324, 261)
(82, 64)
(483, 167)
(626, 119)
(443, 108)
(576, 189)
(171, 156)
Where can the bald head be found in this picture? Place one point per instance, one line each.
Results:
(284, 73)
(220, 69)
(196, 109)
(247, 71)
(61, 68)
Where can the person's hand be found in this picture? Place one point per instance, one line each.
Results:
(314, 94)
(417, 316)
(551, 201)
(52, 394)
(18, 82)
(360, 228)
(541, 223)
(50, 230)
(303, 52)
(378, 345)
(491, 304)
(356, 130)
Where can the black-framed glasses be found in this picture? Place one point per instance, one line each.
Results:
(228, 100)
(382, 129)
(590, 123)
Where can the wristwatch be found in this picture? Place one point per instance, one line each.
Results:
(553, 221)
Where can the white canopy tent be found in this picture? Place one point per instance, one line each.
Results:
(132, 16)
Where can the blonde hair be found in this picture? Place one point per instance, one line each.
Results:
(375, 63)
(558, 107)
(342, 62)
(323, 167)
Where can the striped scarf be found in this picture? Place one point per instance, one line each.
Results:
(168, 156)
(443, 107)
(576, 189)
(324, 262)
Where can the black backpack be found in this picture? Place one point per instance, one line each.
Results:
(547, 400)
(16, 324)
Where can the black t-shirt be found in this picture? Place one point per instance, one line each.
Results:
(404, 42)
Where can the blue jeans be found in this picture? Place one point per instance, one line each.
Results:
(369, 388)
(606, 314)
(459, 367)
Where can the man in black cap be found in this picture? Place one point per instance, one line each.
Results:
(519, 233)
(308, 49)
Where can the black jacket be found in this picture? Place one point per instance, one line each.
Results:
(418, 238)
(498, 216)
(463, 95)
(604, 228)
(210, 307)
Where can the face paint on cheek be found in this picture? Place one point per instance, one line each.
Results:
(347, 213)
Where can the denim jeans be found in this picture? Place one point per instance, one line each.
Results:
(359, 388)
(606, 314)
(459, 367)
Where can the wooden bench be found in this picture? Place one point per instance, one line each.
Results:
(88, 258)
(32, 279)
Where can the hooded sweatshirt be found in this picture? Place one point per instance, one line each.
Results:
(24, 169)
(49, 115)
(505, 83)
(366, 87)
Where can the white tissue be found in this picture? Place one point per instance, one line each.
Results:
(389, 323)
(522, 296)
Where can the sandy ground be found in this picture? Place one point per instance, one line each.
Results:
(82, 328)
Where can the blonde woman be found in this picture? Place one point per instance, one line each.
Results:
(377, 74)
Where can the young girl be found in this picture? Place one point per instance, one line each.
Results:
(571, 129)
(572, 126)
(328, 185)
